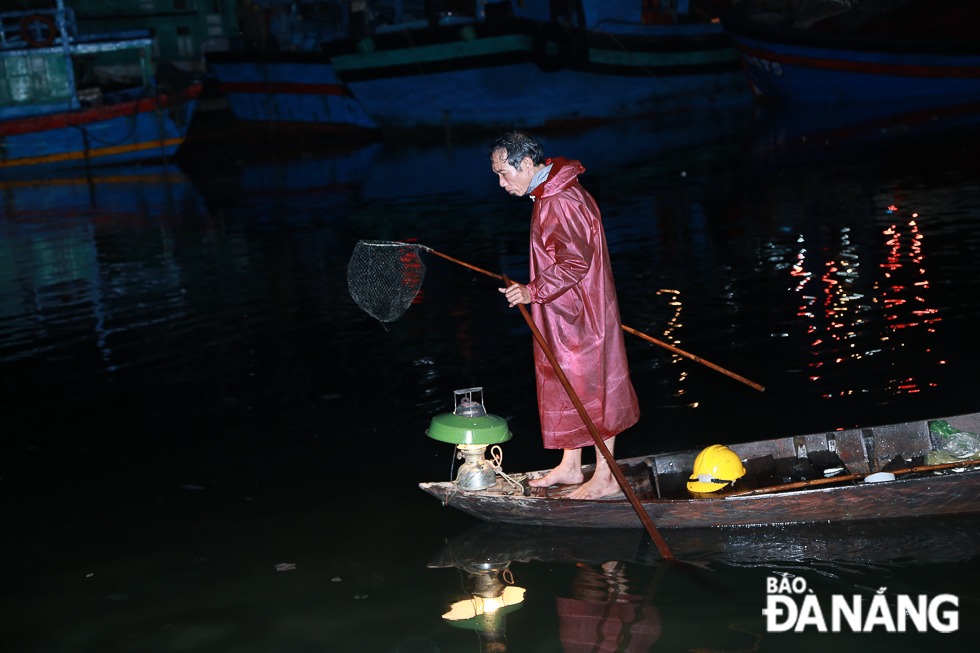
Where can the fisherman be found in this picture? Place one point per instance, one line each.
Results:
(573, 303)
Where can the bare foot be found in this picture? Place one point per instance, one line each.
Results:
(568, 471)
(558, 476)
(598, 486)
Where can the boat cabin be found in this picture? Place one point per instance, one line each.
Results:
(42, 54)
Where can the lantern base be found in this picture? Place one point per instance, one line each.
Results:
(476, 473)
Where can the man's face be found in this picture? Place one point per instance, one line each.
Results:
(513, 181)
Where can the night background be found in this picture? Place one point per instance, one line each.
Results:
(209, 447)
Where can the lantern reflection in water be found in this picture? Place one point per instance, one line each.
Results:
(610, 607)
(491, 599)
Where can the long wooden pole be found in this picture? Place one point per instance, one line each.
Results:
(627, 329)
(848, 477)
(600, 445)
(697, 359)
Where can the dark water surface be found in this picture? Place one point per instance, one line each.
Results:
(190, 397)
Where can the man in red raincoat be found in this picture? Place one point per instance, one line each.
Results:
(573, 303)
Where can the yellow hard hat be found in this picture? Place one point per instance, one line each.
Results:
(714, 468)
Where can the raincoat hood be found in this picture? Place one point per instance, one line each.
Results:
(564, 174)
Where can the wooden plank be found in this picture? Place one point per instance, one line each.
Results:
(850, 448)
(906, 440)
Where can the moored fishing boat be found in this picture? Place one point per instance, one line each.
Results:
(47, 120)
(819, 477)
(921, 54)
(289, 88)
(278, 75)
(480, 66)
(512, 69)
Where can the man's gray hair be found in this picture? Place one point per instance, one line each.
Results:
(518, 145)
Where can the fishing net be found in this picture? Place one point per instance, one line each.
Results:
(384, 277)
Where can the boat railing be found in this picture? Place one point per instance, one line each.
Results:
(14, 25)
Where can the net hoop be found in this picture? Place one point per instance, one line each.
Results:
(384, 277)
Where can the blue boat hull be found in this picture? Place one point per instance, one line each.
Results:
(528, 74)
(287, 87)
(147, 128)
(522, 95)
(800, 66)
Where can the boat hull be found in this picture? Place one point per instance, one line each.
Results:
(528, 74)
(800, 66)
(146, 128)
(287, 87)
(956, 494)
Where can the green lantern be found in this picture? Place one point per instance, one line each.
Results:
(472, 430)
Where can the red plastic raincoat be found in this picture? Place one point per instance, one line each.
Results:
(573, 303)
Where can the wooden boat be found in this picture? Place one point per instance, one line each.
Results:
(784, 483)
(277, 74)
(47, 121)
(857, 55)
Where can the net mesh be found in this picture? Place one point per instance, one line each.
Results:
(384, 277)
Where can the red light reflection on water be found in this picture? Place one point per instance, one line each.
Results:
(904, 302)
(833, 309)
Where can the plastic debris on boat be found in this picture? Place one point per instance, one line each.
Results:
(953, 441)
(940, 458)
(880, 477)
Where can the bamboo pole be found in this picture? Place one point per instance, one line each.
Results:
(627, 329)
(848, 477)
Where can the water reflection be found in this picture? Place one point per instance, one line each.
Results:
(60, 281)
(617, 579)
(861, 235)
(169, 330)
(841, 290)
(922, 541)
(670, 331)
(816, 133)
(604, 613)
(491, 596)
(608, 608)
